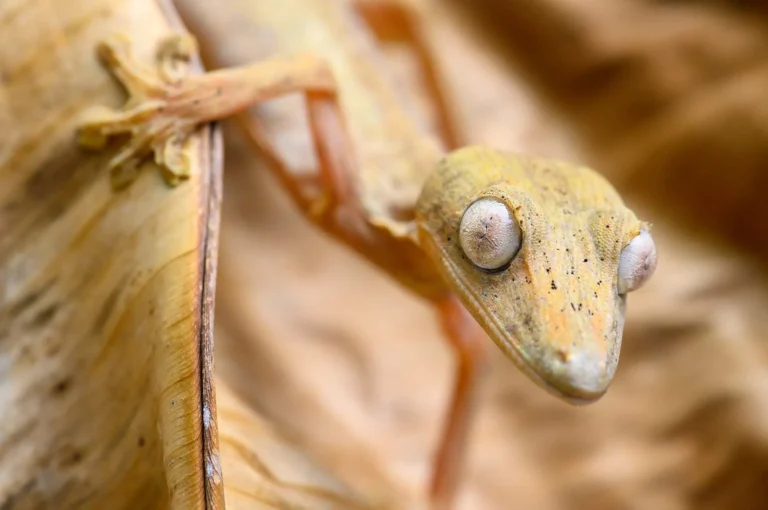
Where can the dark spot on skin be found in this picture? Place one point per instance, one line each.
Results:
(548, 270)
(573, 307)
(45, 315)
(173, 403)
(195, 102)
(607, 226)
(599, 282)
(595, 294)
(152, 310)
(219, 91)
(554, 287)
(496, 296)
(449, 239)
(527, 279)
(561, 355)
(567, 250)
(579, 306)
(141, 441)
(76, 457)
(160, 109)
(602, 259)
(61, 387)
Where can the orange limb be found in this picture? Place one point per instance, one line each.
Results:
(468, 341)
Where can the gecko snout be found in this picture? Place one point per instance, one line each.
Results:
(581, 370)
(579, 375)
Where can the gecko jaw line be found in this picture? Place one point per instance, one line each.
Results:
(508, 346)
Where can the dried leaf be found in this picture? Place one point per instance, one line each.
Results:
(101, 292)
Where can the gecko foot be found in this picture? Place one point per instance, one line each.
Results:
(153, 117)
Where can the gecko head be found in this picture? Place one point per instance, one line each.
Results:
(542, 254)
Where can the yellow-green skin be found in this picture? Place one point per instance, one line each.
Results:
(555, 310)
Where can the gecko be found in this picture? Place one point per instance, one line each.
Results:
(538, 254)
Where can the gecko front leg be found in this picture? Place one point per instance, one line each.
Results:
(165, 105)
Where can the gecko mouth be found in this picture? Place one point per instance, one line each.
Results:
(578, 381)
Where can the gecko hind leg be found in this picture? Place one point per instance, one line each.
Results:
(397, 22)
(468, 341)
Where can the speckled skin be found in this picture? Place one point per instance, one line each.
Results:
(555, 310)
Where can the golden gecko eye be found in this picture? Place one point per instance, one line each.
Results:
(637, 262)
(489, 234)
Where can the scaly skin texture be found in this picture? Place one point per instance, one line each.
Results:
(555, 310)
(384, 189)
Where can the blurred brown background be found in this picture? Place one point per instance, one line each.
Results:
(666, 98)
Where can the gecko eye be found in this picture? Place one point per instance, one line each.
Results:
(489, 235)
(637, 262)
